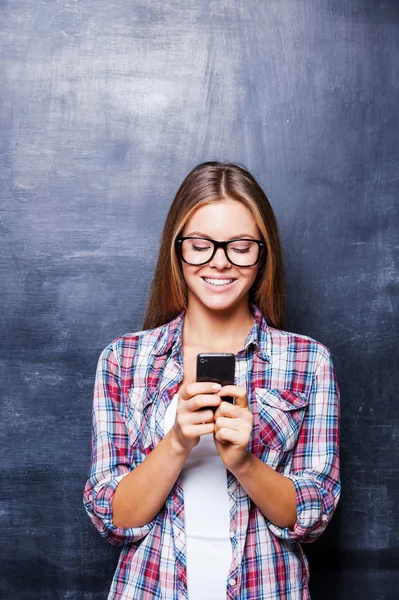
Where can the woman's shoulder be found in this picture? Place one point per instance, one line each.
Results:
(145, 342)
(277, 341)
(284, 341)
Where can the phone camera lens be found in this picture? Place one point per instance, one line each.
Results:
(202, 360)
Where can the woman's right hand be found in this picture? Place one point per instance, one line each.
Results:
(193, 417)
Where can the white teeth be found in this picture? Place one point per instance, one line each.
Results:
(218, 281)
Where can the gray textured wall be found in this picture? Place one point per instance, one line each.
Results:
(104, 108)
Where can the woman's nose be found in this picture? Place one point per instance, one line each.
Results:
(220, 259)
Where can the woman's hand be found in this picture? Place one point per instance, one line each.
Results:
(233, 427)
(193, 417)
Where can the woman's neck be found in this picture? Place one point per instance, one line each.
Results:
(217, 331)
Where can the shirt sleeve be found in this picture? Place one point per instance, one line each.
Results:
(315, 464)
(112, 455)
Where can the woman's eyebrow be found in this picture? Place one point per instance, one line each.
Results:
(235, 237)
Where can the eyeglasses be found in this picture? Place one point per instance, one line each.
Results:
(243, 252)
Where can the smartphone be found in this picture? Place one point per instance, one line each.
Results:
(217, 368)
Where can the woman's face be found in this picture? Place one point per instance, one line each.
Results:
(219, 285)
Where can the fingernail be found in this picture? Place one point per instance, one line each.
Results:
(216, 386)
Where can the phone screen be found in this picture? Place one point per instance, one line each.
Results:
(217, 368)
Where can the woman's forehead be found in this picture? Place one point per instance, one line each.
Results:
(222, 219)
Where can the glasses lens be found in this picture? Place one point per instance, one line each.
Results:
(243, 252)
(197, 251)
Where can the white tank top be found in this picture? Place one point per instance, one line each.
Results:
(207, 521)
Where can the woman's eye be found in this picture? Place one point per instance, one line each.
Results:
(200, 248)
(241, 249)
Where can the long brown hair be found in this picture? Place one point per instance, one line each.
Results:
(211, 182)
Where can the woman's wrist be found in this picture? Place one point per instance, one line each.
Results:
(243, 467)
(178, 449)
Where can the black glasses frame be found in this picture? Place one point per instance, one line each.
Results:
(216, 246)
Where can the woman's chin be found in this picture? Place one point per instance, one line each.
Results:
(220, 303)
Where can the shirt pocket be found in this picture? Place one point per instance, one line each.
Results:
(280, 415)
(141, 417)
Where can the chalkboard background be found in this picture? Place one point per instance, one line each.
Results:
(105, 107)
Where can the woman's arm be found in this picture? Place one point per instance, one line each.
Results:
(315, 469)
(298, 505)
(141, 494)
(112, 455)
(272, 493)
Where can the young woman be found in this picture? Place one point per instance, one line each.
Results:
(211, 500)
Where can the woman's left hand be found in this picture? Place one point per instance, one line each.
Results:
(233, 427)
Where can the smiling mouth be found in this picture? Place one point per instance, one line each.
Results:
(218, 282)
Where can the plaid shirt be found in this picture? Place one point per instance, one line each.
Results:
(293, 395)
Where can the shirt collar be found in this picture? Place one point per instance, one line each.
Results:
(259, 336)
(171, 336)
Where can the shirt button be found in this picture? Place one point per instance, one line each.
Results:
(232, 581)
(90, 497)
(324, 518)
(231, 534)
